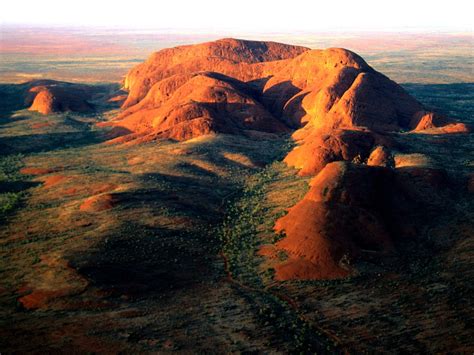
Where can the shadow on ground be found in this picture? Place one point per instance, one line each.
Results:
(143, 263)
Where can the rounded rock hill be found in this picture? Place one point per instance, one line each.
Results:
(48, 96)
(277, 84)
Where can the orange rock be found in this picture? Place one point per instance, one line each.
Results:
(231, 85)
(44, 102)
(187, 106)
(340, 218)
(352, 210)
(434, 123)
(336, 88)
(381, 156)
(52, 96)
(227, 56)
(423, 120)
(456, 128)
(322, 147)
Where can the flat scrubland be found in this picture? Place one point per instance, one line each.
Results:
(154, 247)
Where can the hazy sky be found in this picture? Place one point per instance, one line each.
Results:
(247, 15)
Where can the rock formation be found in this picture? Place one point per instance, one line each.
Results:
(227, 56)
(48, 96)
(231, 86)
(339, 218)
(353, 210)
(345, 115)
(184, 106)
(431, 122)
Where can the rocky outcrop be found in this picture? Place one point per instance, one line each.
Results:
(190, 105)
(277, 84)
(47, 97)
(352, 211)
(227, 56)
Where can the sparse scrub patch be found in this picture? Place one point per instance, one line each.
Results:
(11, 186)
(247, 225)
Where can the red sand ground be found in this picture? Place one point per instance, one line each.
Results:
(91, 189)
(37, 171)
(40, 125)
(98, 203)
(54, 180)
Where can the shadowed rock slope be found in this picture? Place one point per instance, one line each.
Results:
(354, 211)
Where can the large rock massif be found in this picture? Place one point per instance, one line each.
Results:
(344, 114)
(231, 86)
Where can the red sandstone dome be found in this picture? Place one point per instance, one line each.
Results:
(231, 85)
(354, 210)
(227, 56)
(339, 218)
(48, 96)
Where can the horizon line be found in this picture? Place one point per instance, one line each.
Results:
(226, 31)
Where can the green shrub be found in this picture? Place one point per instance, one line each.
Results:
(8, 201)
